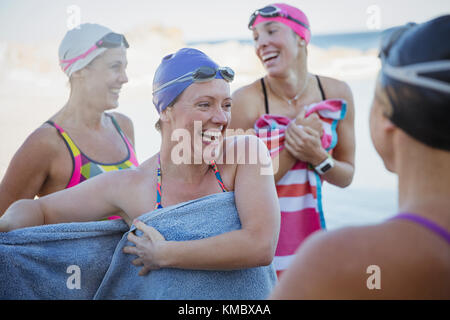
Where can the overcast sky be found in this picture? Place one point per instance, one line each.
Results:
(36, 20)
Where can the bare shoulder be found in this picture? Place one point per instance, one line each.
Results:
(336, 89)
(125, 123)
(248, 105)
(330, 264)
(248, 91)
(45, 139)
(345, 264)
(246, 149)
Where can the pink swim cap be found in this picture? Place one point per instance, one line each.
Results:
(300, 27)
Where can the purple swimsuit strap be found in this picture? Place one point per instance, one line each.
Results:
(430, 225)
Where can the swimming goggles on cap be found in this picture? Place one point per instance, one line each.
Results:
(111, 40)
(271, 12)
(414, 74)
(201, 74)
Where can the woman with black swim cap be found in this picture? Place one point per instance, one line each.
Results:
(408, 256)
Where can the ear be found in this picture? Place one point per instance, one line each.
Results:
(166, 114)
(77, 75)
(80, 74)
(301, 42)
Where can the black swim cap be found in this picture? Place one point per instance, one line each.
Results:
(416, 77)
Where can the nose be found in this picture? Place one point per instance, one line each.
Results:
(261, 42)
(220, 116)
(123, 78)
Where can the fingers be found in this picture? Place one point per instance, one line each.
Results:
(144, 271)
(290, 149)
(150, 232)
(300, 116)
(138, 262)
(297, 135)
(293, 132)
(312, 132)
(134, 239)
(130, 250)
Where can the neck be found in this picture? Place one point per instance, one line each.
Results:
(290, 86)
(424, 182)
(83, 112)
(173, 169)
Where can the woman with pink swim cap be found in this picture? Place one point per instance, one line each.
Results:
(288, 98)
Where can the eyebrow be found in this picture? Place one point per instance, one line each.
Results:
(117, 61)
(212, 98)
(268, 23)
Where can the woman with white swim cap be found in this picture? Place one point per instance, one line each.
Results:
(81, 140)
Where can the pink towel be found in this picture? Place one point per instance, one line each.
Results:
(299, 191)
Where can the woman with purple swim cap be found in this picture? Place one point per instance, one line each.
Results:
(192, 95)
(281, 35)
(84, 138)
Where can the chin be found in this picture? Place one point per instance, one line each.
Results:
(275, 71)
(111, 105)
(389, 165)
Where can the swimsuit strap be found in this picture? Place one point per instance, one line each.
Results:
(430, 225)
(132, 154)
(75, 154)
(266, 101)
(213, 165)
(159, 185)
(322, 92)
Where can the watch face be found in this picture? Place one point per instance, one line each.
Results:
(326, 167)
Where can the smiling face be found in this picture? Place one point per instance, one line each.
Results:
(277, 47)
(103, 78)
(204, 111)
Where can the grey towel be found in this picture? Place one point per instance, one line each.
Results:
(34, 261)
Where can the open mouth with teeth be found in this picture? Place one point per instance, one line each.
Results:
(211, 136)
(115, 91)
(269, 57)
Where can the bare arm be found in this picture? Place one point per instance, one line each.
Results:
(94, 199)
(252, 245)
(28, 169)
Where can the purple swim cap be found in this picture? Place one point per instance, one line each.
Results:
(176, 65)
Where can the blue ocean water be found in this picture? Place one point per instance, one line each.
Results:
(354, 40)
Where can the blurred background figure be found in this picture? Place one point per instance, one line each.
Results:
(81, 140)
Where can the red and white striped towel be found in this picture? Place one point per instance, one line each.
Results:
(300, 189)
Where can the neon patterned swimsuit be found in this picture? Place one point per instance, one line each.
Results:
(159, 189)
(85, 168)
